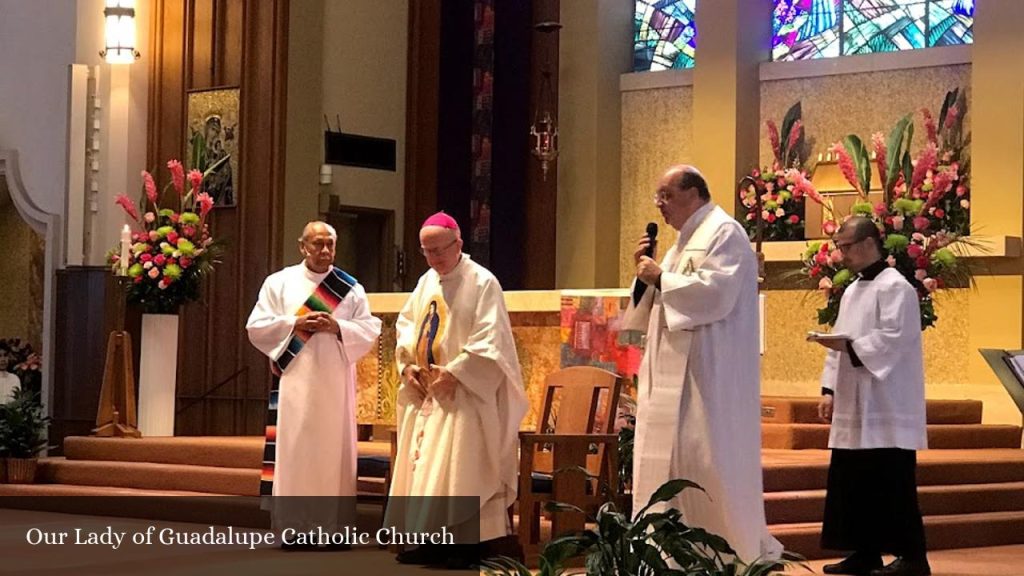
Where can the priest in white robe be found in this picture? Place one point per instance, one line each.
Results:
(460, 402)
(313, 322)
(698, 410)
(873, 394)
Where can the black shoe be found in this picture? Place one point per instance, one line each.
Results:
(424, 555)
(905, 567)
(857, 564)
(462, 557)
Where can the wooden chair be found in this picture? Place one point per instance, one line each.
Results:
(576, 429)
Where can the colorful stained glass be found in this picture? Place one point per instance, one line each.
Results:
(805, 29)
(664, 34)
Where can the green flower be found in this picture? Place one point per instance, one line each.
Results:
(163, 231)
(862, 209)
(896, 243)
(189, 218)
(903, 206)
(186, 247)
(135, 270)
(784, 195)
(771, 205)
(172, 271)
(841, 277)
(138, 248)
(166, 213)
(918, 205)
(944, 257)
(166, 248)
(812, 249)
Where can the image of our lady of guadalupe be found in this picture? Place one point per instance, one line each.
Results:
(429, 339)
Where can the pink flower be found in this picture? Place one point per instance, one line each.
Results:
(154, 273)
(150, 217)
(175, 217)
(163, 284)
(914, 250)
(145, 258)
(205, 204)
(897, 222)
(925, 163)
(835, 257)
(917, 237)
(137, 280)
(951, 116)
(929, 124)
(172, 237)
(128, 206)
(961, 190)
(965, 204)
(771, 218)
(773, 138)
(891, 261)
(794, 136)
(150, 186)
(920, 274)
(794, 219)
(815, 271)
(196, 178)
(920, 223)
(160, 260)
(821, 258)
(177, 176)
(880, 208)
(878, 142)
(921, 262)
(153, 236)
(846, 167)
(930, 284)
(185, 262)
(825, 284)
(940, 213)
(829, 227)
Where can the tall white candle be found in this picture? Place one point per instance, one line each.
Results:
(126, 242)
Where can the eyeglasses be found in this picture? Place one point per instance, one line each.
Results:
(437, 251)
(319, 245)
(844, 246)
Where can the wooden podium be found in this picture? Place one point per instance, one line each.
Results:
(116, 414)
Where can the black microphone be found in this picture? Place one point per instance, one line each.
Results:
(639, 288)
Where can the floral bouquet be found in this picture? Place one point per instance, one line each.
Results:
(781, 202)
(925, 214)
(169, 250)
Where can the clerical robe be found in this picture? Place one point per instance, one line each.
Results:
(698, 413)
(316, 404)
(465, 445)
(878, 418)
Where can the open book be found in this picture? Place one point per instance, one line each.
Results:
(813, 336)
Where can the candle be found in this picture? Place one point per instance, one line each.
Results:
(819, 156)
(126, 242)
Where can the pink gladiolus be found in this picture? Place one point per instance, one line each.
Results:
(829, 227)
(773, 138)
(925, 163)
(205, 204)
(825, 284)
(920, 223)
(846, 167)
(196, 178)
(150, 186)
(929, 125)
(878, 142)
(794, 136)
(914, 250)
(951, 116)
(128, 206)
(177, 176)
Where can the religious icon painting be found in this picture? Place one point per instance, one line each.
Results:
(432, 322)
(212, 141)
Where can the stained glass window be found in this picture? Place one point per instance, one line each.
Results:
(664, 34)
(805, 29)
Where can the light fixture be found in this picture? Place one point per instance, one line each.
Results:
(545, 122)
(119, 32)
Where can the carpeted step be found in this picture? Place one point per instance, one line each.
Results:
(808, 505)
(788, 470)
(151, 476)
(940, 436)
(804, 410)
(941, 532)
(220, 451)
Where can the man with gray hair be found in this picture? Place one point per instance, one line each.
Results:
(313, 322)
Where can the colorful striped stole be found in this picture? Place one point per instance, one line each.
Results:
(325, 298)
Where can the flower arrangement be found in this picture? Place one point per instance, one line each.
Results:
(925, 213)
(20, 360)
(168, 251)
(782, 203)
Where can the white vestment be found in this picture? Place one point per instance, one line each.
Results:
(880, 404)
(8, 383)
(466, 445)
(316, 415)
(699, 405)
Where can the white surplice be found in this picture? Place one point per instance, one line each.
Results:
(699, 405)
(316, 416)
(882, 403)
(467, 445)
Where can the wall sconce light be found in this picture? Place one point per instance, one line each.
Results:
(545, 122)
(119, 32)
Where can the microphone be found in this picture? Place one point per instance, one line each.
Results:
(639, 287)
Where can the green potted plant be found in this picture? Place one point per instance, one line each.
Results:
(22, 435)
(648, 544)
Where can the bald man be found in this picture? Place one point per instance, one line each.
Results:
(313, 322)
(460, 402)
(699, 414)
